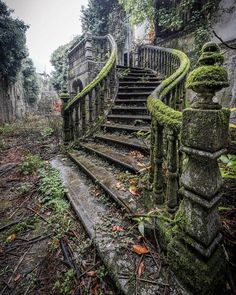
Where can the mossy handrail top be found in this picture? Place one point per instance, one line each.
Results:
(157, 108)
(102, 74)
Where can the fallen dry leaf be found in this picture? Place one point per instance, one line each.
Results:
(11, 237)
(18, 276)
(134, 190)
(141, 268)
(140, 249)
(91, 273)
(117, 228)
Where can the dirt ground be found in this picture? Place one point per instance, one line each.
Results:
(43, 251)
(37, 244)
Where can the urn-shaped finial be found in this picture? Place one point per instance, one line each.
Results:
(210, 76)
(64, 95)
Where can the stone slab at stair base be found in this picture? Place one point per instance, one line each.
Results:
(118, 257)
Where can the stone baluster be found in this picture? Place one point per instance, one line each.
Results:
(196, 253)
(64, 96)
(83, 115)
(172, 171)
(158, 177)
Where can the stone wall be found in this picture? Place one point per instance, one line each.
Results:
(224, 24)
(12, 103)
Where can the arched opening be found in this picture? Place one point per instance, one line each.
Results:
(77, 86)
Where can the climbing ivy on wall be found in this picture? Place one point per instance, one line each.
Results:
(139, 10)
(169, 17)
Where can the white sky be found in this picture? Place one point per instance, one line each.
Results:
(52, 23)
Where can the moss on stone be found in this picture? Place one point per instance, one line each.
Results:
(102, 74)
(164, 115)
(213, 77)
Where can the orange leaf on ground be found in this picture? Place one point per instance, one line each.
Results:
(18, 276)
(91, 273)
(117, 228)
(140, 249)
(141, 268)
(11, 237)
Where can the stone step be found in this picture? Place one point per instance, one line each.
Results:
(130, 68)
(123, 128)
(146, 74)
(130, 101)
(98, 219)
(129, 118)
(122, 160)
(138, 83)
(139, 95)
(106, 180)
(125, 141)
(129, 110)
(139, 79)
(136, 88)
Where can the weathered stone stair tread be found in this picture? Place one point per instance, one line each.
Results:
(130, 100)
(123, 108)
(141, 74)
(136, 78)
(131, 68)
(132, 117)
(130, 142)
(134, 93)
(147, 83)
(128, 128)
(98, 222)
(107, 181)
(126, 161)
(137, 88)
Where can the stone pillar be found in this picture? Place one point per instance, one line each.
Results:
(64, 96)
(196, 252)
(88, 47)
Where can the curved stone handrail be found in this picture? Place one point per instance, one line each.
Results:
(164, 104)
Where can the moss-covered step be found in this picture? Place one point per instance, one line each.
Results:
(107, 181)
(114, 247)
(123, 128)
(128, 142)
(122, 159)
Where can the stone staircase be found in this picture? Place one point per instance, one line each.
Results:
(117, 139)
(91, 175)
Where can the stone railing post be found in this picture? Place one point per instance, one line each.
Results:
(64, 96)
(196, 253)
(88, 47)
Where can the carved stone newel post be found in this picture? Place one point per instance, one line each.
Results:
(196, 253)
(64, 96)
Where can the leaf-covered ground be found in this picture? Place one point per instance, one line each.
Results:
(43, 247)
